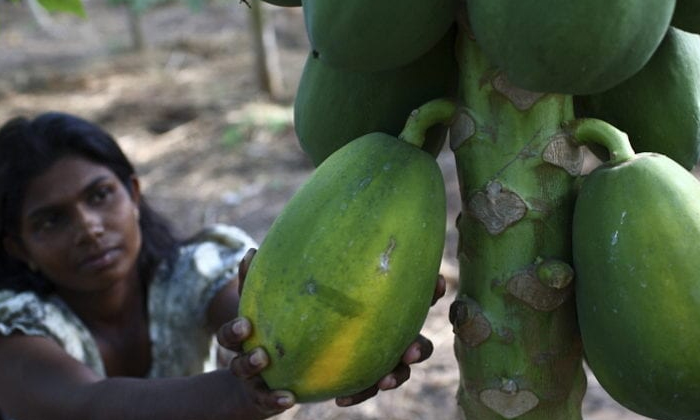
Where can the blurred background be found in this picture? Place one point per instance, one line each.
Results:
(199, 94)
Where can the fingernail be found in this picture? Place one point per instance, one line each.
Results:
(257, 358)
(285, 401)
(413, 354)
(387, 382)
(240, 327)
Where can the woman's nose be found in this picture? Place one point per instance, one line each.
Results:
(90, 225)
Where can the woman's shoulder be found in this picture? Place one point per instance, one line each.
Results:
(24, 312)
(203, 265)
(215, 250)
(180, 296)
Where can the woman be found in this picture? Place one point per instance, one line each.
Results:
(103, 313)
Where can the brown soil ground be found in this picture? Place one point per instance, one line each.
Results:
(210, 146)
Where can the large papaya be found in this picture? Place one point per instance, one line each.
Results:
(571, 47)
(371, 35)
(636, 254)
(686, 16)
(342, 282)
(659, 107)
(333, 107)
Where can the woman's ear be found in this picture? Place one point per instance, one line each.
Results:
(135, 190)
(14, 248)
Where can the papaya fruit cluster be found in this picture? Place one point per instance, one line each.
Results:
(359, 245)
(371, 63)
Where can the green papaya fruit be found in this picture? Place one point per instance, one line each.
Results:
(342, 283)
(659, 107)
(687, 16)
(636, 257)
(570, 47)
(370, 35)
(333, 107)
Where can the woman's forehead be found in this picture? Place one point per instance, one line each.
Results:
(64, 180)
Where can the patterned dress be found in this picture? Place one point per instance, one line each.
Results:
(178, 299)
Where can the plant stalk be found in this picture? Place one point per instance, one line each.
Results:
(516, 336)
(598, 132)
(438, 111)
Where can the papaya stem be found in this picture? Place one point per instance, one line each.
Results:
(519, 354)
(592, 130)
(436, 111)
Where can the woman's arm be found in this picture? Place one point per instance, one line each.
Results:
(38, 380)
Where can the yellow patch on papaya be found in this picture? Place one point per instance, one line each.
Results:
(317, 377)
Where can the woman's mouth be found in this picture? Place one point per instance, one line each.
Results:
(100, 260)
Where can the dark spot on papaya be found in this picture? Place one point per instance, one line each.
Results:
(315, 54)
(309, 287)
(279, 349)
(364, 182)
(332, 298)
(384, 258)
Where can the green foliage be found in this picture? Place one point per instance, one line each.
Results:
(274, 123)
(234, 135)
(140, 6)
(76, 6)
(69, 6)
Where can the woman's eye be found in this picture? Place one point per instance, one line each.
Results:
(48, 222)
(100, 194)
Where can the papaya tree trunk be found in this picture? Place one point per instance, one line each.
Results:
(516, 335)
(267, 61)
(135, 26)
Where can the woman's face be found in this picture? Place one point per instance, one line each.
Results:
(79, 226)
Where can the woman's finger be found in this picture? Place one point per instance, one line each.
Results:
(247, 365)
(272, 402)
(440, 289)
(243, 268)
(233, 333)
(357, 398)
(397, 377)
(418, 351)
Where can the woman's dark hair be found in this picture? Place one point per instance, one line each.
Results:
(27, 149)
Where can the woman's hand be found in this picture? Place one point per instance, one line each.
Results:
(417, 352)
(248, 366)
